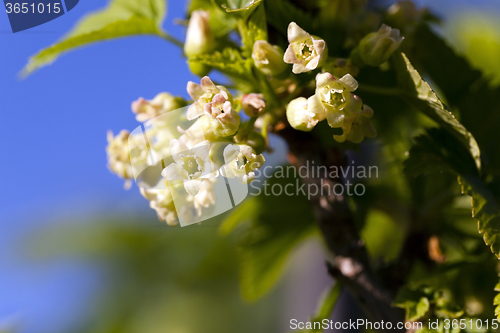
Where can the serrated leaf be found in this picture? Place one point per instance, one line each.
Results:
(272, 226)
(254, 29)
(121, 18)
(229, 62)
(419, 94)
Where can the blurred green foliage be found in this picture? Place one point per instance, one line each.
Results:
(158, 279)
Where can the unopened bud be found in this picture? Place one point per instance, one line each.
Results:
(376, 48)
(225, 120)
(199, 37)
(268, 58)
(253, 104)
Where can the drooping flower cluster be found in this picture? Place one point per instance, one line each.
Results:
(212, 119)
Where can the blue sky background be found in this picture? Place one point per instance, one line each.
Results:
(53, 142)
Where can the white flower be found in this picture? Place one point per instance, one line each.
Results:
(268, 58)
(199, 37)
(225, 120)
(301, 116)
(202, 94)
(191, 165)
(149, 109)
(376, 48)
(241, 162)
(161, 201)
(336, 98)
(305, 52)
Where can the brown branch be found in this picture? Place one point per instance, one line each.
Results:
(350, 264)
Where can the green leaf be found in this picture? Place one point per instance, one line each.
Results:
(418, 93)
(241, 6)
(268, 228)
(326, 305)
(281, 12)
(464, 88)
(254, 29)
(414, 301)
(439, 150)
(121, 18)
(229, 62)
(417, 302)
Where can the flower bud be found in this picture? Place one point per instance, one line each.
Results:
(301, 115)
(199, 37)
(162, 103)
(376, 47)
(305, 52)
(253, 104)
(161, 201)
(225, 120)
(268, 58)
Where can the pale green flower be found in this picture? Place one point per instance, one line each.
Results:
(191, 165)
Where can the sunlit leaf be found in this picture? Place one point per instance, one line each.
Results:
(272, 226)
(120, 19)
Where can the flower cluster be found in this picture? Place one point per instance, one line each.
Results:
(222, 135)
(192, 174)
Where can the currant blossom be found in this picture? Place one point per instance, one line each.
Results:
(376, 47)
(191, 165)
(161, 201)
(253, 104)
(199, 37)
(305, 52)
(225, 121)
(357, 127)
(335, 97)
(205, 196)
(241, 162)
(118, 156)
(268, 58)
(202, 94)
(301, 116)
(162, 103)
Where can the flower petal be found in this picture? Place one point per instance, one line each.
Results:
(296, 33)
(349, 82)
(192, 186)
(194, 90)
(172, 172)
(193, 112)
